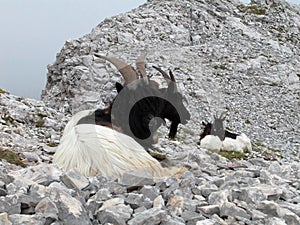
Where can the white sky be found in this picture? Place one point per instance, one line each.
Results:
(34, 31)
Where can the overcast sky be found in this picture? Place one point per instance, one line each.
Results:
(34, 31)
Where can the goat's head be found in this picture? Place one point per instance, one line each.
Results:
(175, 109)
(216, 128)
(141, 106)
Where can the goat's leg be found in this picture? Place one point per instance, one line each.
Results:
(173, 130)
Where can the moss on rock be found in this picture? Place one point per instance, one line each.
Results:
(11, 157)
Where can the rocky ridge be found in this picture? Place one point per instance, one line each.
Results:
(226, 56)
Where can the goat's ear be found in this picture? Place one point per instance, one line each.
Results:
(119, 87)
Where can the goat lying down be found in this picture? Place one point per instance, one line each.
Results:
(98, 150)
(216, 138)
(91, 142)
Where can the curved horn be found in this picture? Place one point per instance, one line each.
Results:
(127, 72)
(172, 76)
(140, 64)
(165, 75)
(173, 79)
(223, 115)
(168, 78)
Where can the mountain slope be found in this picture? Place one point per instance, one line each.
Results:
(242, 59)
(226, 56)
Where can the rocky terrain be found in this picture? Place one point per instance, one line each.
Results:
(226, 56)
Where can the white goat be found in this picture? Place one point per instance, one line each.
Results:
(98, 150)
(215, 138)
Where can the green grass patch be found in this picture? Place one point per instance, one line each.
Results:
(221, 67)
(52, 144)
(252, 9)
(11, 157)
(247, 121)
(41, 115)
(232, 155)
(157, 153)
(279, 29)
(267, 152)
(40, 123)
(274, 84)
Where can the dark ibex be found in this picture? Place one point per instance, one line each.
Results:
(91, 147)
(141, 106)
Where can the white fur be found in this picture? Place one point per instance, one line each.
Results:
(75, 119)
(211, 142)
(231, 145)
(97, 150)
(241, 144)
(245, 142)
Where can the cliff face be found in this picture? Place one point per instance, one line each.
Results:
(226, 56)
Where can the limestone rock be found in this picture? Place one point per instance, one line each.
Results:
(150, 216)
(230, 209)
(76, 180)
(225, 56)
(136, 178)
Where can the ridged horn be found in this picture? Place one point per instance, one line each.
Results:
(140, 64)
(165, 75)
(172, 76)
(126, 70)
(221, 117)
(168, 78)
